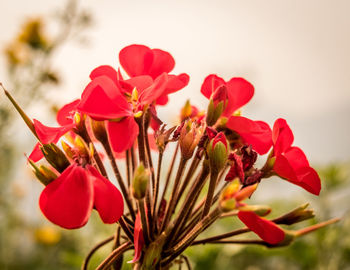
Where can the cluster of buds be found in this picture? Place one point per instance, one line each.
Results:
(216, 152)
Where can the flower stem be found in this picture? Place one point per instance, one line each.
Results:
(116, 171)
(93, 250)
(114, 255)
(210, 195)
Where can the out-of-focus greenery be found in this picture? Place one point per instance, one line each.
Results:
(327, 248)
(31, 77)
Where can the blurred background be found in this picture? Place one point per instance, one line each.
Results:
(295, 53)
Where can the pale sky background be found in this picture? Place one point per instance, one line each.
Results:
(295, 53)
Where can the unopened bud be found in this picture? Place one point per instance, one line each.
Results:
(153, 252)
(43, 174)
(297, 215)
(214, 112)
(55, 157)
(189, 137)
(140, 182)
(217, 151)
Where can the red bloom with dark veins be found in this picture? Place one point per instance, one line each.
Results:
(255, 133)
(264, 228)
(68, 200)
(291, 162)
(239, 91)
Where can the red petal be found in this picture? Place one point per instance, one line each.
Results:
(240, 91)
(162, 62)
(122, 134)
(296, 158)
(140, 82)
(108, 200)
(147, 96)
(136, 60)
(265, 229)
(162, 100)
(176, 83)
(102, 100)
(256, 133)
(66, 113)
(50, 134)
(68, 200)
(138, 239)
(282, 136)
(36, 154)
(309, 180)
(210, 84)
(105, 70)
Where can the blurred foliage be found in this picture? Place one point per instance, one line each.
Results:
(328, 248)
(31, 78)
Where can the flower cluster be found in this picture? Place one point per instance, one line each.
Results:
(216, 151)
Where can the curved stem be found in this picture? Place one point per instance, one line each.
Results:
(93, 250)
(114, 255)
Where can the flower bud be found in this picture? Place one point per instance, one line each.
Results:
(68, 150)
(217, 151)
(297, 215)
(190, 135)
(217, 105)
(140, 182)
(55, 157)
(162, 137)
(153, 252)
(43, 174)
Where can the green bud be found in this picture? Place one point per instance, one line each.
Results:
(260, 210)
(55, 157)
(43, 174)
(217, 155)
(214, 112)
(296, 215)
(140, 182)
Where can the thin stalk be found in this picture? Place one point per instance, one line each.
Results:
(133, 159)
(210, 195)
(141, 142)
(117, 265)
(143, 214)
(190, 200)
(156, 186)
(127, 159)
(93, 250)
(175, 251)
(173, 197)
(114, 255)
(126, 229)
(242, 242)
(169, 175)
(116, 171)
(221, 236)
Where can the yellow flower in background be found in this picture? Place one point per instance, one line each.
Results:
(47, 235)
(32, 34)
(17, 53)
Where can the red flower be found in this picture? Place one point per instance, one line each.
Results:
(255, 133)
(239, 91)
(264, 228)
(103, 99)
(291, 162)
(68, 200)
(139, 60)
